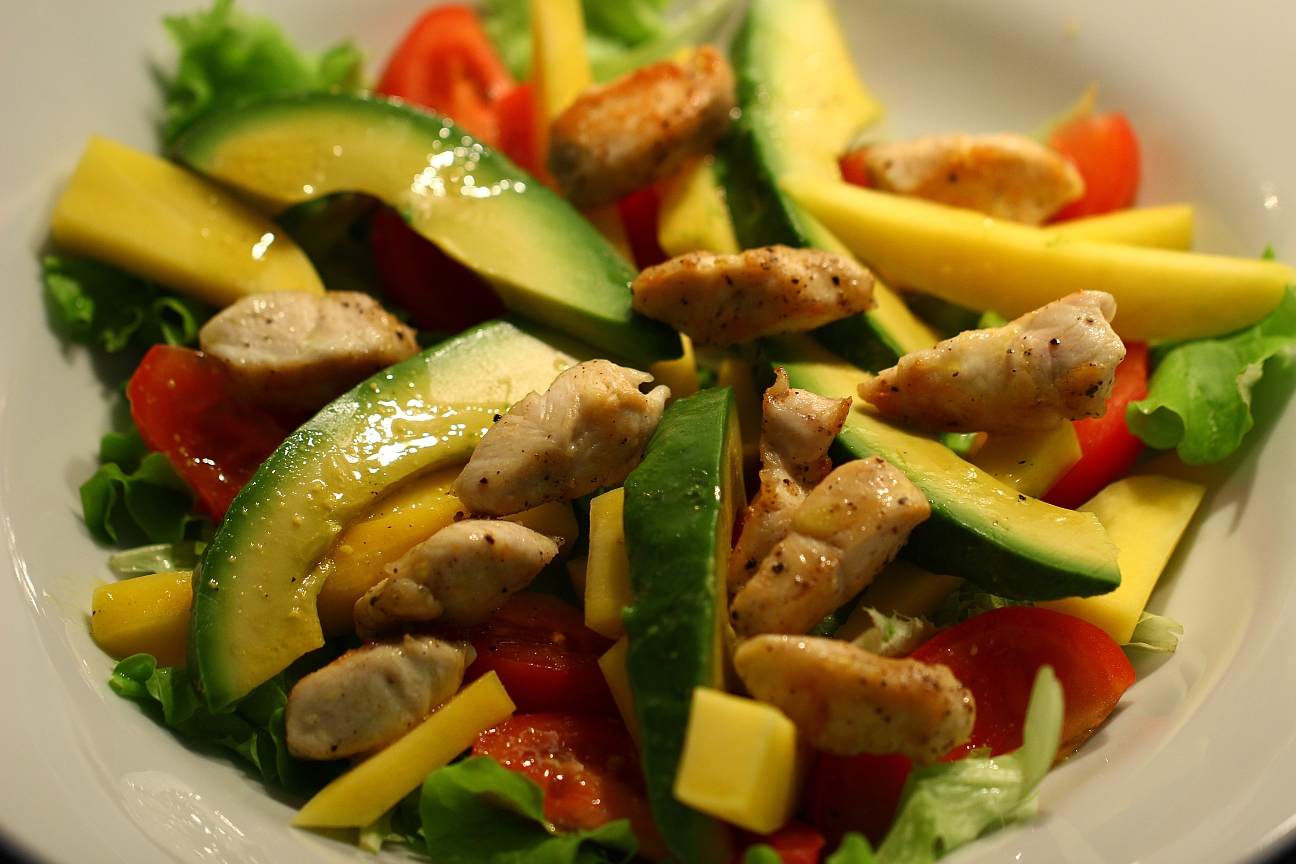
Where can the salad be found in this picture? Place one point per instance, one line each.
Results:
(667, 468)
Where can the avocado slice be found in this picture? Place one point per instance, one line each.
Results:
(255, 588)
(801, 104)
(543, 258)
(679, 513)
(980, 529)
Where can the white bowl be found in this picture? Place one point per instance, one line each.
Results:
(1198, 764)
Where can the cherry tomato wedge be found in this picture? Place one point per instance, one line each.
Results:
(587, 766)
(856, 793)
(181, 405)
(853, 170)
(1106, 151)
(1108, 449)
(997, 654)
(519, 130)
(639, 211)
(545, 656)
(437, 290)
(447, 63)
(796, 843)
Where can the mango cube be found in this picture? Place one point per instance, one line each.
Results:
(680, 375)
(1030, 463)
(607, 573)
(1145, 516)
(613, 664)
(739, 762)
(144, 615)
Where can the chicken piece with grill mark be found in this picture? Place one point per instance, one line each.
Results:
(1054, 364)
(372, 695)
(588, 430)
(846, 700)
(295, 351)
(847, 529)
(797, 428)
(1006, 176)
(733, 299)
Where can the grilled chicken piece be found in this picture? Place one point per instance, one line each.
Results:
(587, 431)
(460, 575)
(640, 128)
(846, 700)
(1056, 363)
(797, 427)
(731, 299)
(372, 695)
(1005, 176)
(296, 351)
(847, 529)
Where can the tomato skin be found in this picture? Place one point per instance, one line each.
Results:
(587, 766)
(437, 290)
(853, 170)
(448, 64)
(181, 405)
(996, 656)
(1107, 446)
(1105, 150)
(519, 130)
(639, 211)
(856, 793)
(796, 843)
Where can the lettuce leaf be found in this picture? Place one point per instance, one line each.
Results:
(254, 728)
(949, 804)
(1199, 398)
(477, 812)
(156, 558)
(894, 635)
(761, 853)
(226, 56)
(98, 305)
(1156, 633)
(854, 849)
(152, 498)
(968, 602)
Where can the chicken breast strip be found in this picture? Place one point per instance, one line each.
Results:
(732, 299)
(846, 700)
(296, 351)
(459, 576)
(847, 529)
(1056, 363)
(588, 430)
(641, 128)
(372, 695)
(797, 428)
(1006, 176)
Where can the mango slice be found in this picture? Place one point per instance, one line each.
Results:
(1166, 227)
(607, 574)
(613, 664)
(694, 216)
(144, 615)
(679, 375)
(1030, 463)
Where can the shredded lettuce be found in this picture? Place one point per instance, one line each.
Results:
(854, 849)
(254, 729)
(477, 812)
(98, 305)
(156, 558)
(1199, 398)
(136, 493)
(1156, 633)
(226, 56)
(761, 853)
(949, 804)
(895, 635)
(968, 602)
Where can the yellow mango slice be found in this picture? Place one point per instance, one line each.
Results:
(739, 762)
(613, 664)
(738, 375)
(373, 787)
(679, 375)
(607, 574)
(559, 67)
(983, 263)
(144, 615)
(694, 216)
(554, 519)
(901, 588)
(1030, 463)
(399, 522)
(155, 219)
(1167, 227)
(1145, 516)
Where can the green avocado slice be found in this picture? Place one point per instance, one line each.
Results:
(679, 513)
(980, 529)
(254, 589)
(544, 259)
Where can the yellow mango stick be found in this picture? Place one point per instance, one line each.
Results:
(680, 375)
(373, 787)
(559, 67)
(983, 263)
(144, 615)
(1031, 463)
(613, 664)
(1167, 227)
(694, 216)
(607, 575)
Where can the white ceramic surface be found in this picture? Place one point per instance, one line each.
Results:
(1197, 765)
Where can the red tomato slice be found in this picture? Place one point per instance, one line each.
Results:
(853, 170)
(639, 211)
(1106, 152)
(1108, 449)
(796, 843)
(519, 130)
(180, 404)
(545, 656)
(856, 793)
(997, 654)
(447, 63)
(437, 290)
(587, 765)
